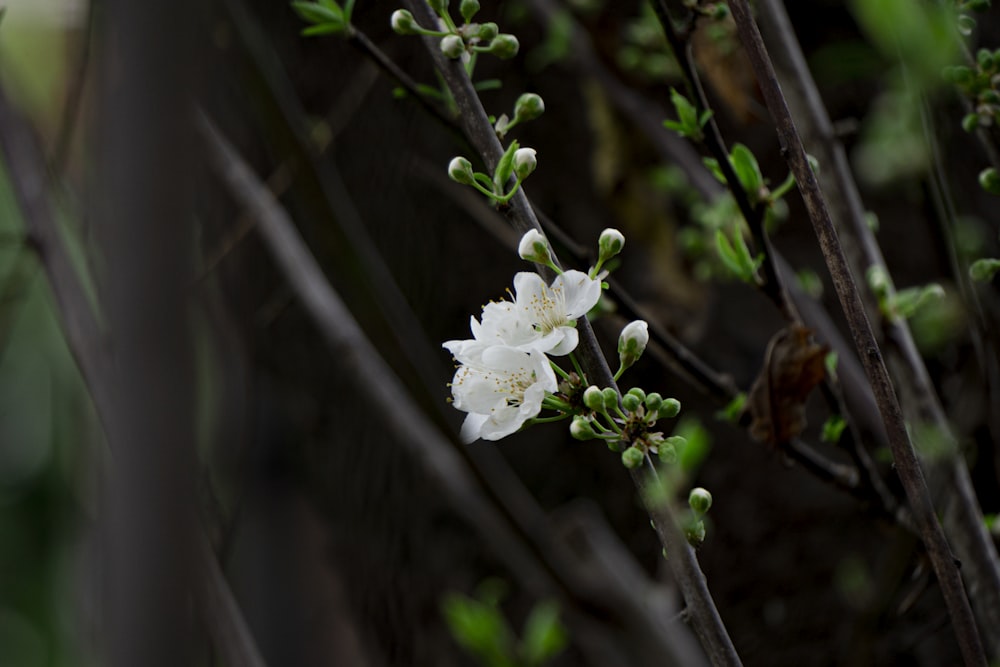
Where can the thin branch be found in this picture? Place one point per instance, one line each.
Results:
(907, 464)
(705, 617)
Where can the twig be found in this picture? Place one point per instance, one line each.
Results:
(962, 518)
(907, 465)
(752, 213)
(705, 617)
(406, 421)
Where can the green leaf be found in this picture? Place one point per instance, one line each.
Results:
(544, 636)
(676, 127)
(505, 167)
(318, 13)
(488, 84)
(696, 447)
(833, 428)
(323, 29)
(727, 254)
(830, 363)
(731, 413)
(713, 166)
(747, 170)
(479, 628)
(983, 270)
(907, 301)
(348, 10)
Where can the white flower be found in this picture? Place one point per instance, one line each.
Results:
(632, 342)
(540, 318)
(501, 390)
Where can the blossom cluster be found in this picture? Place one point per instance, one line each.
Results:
(504, 372)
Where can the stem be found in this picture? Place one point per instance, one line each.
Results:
(705, 617)
(559, 371)
(577, 368)
(904, 455)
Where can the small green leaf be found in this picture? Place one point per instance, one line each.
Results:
(713, 166)
(478, 627)
(833, 428)
(323, 29)
(830, 363)
(319, 13)
(907, 301)
(728, 255)
(983, 270)
(694, 447)
(731, 413)
(505, 167)
(488, 84)
(544, 636)
(747, 170)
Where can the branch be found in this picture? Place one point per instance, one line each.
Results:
(962, 518)
(705, 617)
(907, 464)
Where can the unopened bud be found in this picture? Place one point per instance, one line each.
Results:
(524, 162)
(403, 22)
(528, 107)
(667, 452)
(631, 402)
(669, 408)
(452, 46)
(504, 46)
(700, 500)
(653, 402)
(633, 457)
(581, 429)
(460, 171)
(468, 9)
(439, 6)
(534, 248)
(632, 342)
(610, 398)
(638, 392)
(488, 31)
(609, 244)
(989, 180)
(695, 532)
(593, 398)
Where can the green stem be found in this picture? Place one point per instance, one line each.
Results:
(577, 368)
(559, 371)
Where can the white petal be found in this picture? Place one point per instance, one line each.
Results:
(581, 293)
(472, 427)
(568, 338)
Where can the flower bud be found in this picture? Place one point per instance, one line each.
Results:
(439, 6)
(653, 402)
(669, 408)
(534, 248)
(504, 46)
(528, 107)
(989, 180)
(524, 162)
(632, 457)
(700, 500)
(460, 171)
(468, 9)
(593, 398)
(632, 342)
(581, 429)
(403, 22)
(667, 452)
(678, 441)
(610, 398)
(631, 402)
(488, 31)
(638, 392)
(452, 46)
(695, 532)
(610, 244)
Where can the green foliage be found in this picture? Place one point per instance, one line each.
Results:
(983, 270)
(695, 446)
(326, 16)
(736, 255)
(833, 428)
(690, 122)
(480, 627)
(921, 34)
(731, 413)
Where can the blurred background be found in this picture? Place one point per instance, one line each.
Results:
(227, 413)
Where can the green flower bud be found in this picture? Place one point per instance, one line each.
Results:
(460, 171)
(488, 31)
(468, 9)
(667, 452)
(403, 22)
(632, 342)
(985, 58)
(610, 398)
(633, 457)
(528, 107)
(669, 409)
(695, 532)
(581, 429)
(593, 398)
(452, 46)
(678, 441)
(989, 180)
(638, 392)
(978, 5)
(958, 74)
(719, 11)
(534, 248)
(609, 244)
(631, 402)
(700, 500)
(653, 402)
(524, 162)
(615, 445)
(504, 46)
